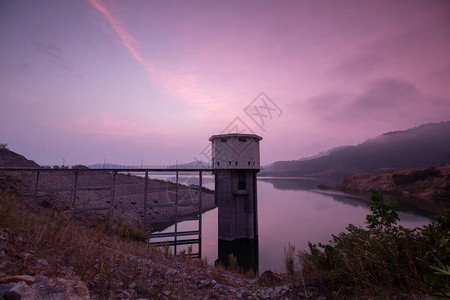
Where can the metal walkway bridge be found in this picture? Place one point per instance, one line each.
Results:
(177, 237)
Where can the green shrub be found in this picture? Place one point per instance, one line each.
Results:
(384, 216)
(414, 176)
(443, 194)
(384, 259)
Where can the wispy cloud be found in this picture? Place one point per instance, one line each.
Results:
(55, 53)
(126, 38)
(358, 65)
(179, 81)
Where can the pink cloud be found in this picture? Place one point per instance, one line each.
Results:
(181, 82)
(126, 38)
(106, 125)
(114, 125)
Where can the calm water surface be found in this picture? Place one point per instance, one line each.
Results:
(292, 211)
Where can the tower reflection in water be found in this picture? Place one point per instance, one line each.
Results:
(244, 250)
(235, 160)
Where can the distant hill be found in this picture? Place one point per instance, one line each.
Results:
(422, 146)
(10, 159)
(192, 165)
(105, 166)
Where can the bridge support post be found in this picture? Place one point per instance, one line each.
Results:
(144, 221)
(111, 201)
(74, 189)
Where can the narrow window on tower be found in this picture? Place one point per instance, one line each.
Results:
(242, 185)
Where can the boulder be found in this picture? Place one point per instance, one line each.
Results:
(269, 278)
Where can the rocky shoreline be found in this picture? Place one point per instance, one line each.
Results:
(427, 183)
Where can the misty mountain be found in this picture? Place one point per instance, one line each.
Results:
(421, 146)
(324, 153)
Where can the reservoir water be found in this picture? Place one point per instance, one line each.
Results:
(291, 211)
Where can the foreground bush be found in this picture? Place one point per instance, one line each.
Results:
(384, 259)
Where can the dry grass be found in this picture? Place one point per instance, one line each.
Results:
(289, 265)
(103, 257)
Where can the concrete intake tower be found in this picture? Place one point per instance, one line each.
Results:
(236, 161)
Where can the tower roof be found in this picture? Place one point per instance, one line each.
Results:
(238, 135)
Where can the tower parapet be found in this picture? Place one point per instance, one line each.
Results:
(235, 151)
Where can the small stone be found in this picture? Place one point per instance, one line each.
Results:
(213, 282)
(132, 285)
(172, 272)
(6, 265)
(224, 289)
(4, 236)
(269, 278)
(203, 283)
(4, 288)
(16, 291)
(124, 295)
(166, 293)
(42, 262)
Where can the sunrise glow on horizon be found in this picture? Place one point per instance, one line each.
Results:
(130, 81)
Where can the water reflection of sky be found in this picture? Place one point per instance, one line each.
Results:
(295, 216)
(299, 216)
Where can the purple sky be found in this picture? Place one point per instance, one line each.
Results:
(136, 80)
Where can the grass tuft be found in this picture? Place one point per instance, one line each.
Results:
(289, 259)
